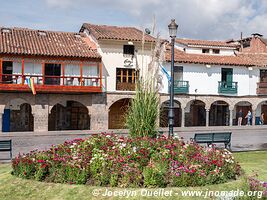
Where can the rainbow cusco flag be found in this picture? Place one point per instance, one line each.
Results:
(30, 83)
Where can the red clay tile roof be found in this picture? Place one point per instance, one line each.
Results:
(205, 43)
(22, 41)
(104, 32)
(257, 59)
(182, 57)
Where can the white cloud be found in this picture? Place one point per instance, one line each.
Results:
(207, 19)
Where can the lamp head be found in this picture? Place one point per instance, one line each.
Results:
(173, 28)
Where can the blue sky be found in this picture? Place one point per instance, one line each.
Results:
(200, 19)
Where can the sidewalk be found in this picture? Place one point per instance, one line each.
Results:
(243, 138)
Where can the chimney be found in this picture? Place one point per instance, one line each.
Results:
(257, 35)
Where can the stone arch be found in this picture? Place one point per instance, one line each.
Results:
(241, 109)
(114, 98)
(116, 114)
(164, 111)
(17, 116)
(261, 109)
(69, 115)
(63, 101)
(195, 113)
(219, 114)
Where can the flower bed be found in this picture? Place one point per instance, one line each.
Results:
(256, 185)
(110, 160)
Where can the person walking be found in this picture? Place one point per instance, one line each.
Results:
(248, 117)
(240, 117)
(262, 119)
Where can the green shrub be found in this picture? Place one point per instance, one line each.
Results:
(110, 160)
(143, 112)
(155, 175)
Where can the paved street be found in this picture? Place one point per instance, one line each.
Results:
(243, 138)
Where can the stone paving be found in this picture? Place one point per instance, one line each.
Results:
(243, 138)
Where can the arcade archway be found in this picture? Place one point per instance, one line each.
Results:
(72, 116)
(117, 112)
(195, 113)
(164, 111)
(17, 117)
(219, 114)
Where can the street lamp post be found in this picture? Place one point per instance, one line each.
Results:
(172, 31)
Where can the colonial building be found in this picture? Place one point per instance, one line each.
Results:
(85, 80)
(214, 80)
(66, 72)
(126, 53)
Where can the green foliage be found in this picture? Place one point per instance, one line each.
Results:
(154, 176)
(143, 112)
(117, 161)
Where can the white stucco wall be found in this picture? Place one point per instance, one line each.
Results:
(112, 58)
(198, 50)
(205, 80)
(224, 51)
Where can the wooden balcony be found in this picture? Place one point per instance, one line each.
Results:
(262, 88)
(50, 84)
(227, 87)
(125, 86)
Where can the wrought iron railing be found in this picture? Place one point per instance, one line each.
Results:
(225, 87)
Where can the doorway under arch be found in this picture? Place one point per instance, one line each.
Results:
(219, 114)
(261, 109)
(117, 112)
(17, 117)
(164, 111)
(73, 116)
(195, 113)
(243, 106)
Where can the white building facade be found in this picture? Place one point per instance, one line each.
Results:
(216, 82)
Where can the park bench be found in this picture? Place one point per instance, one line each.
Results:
(6, 145)
(210, 138)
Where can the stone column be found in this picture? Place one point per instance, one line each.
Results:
(253, 117)
(1, 115)
(98, 113)
(182, 117)
(40, 116)
(40, 111)
(2, 107)
(98, 117)
(231, 118)
(207, 117)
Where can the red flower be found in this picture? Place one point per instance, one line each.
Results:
(40, 161)
(43, 165)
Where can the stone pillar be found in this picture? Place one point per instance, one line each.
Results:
(98, 117)
(183, 117)
(2, 107)
(98, 113)
(231, 118)
(40, 116)
(207, 117)
(1, 115)
(253, 117)
(40, 111)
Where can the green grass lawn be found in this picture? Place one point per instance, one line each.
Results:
(13, 188)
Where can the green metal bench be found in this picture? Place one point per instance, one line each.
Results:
(210, 138)
(6, 145)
